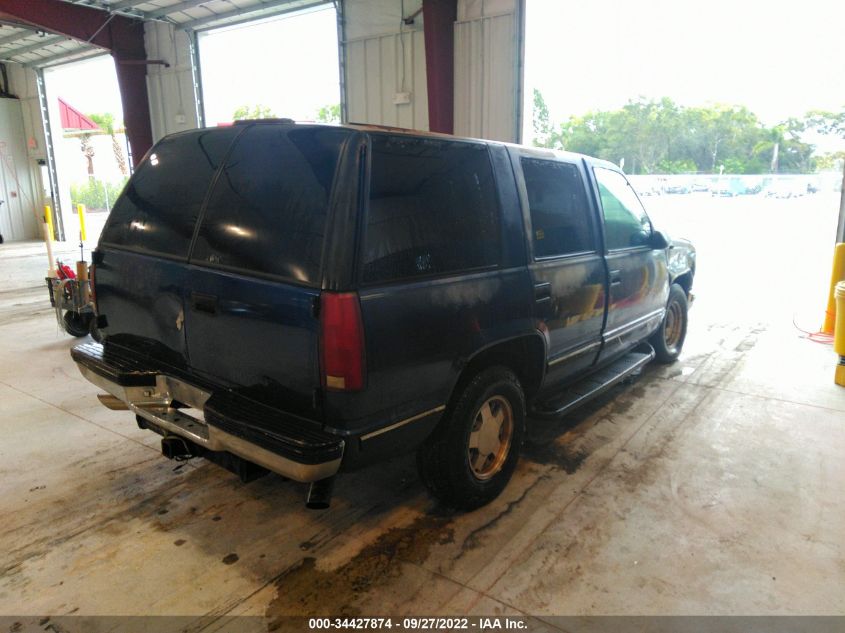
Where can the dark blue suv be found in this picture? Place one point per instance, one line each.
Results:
(310, 298)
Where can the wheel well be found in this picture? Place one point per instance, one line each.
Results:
(525, 356)
(685, 281)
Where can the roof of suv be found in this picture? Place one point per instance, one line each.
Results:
(539, 152)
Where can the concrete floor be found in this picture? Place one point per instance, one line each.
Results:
(712, 486)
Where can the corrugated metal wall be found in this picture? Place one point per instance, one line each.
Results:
(488, 53)
(376, 43)
(383, 57)
(171, 90)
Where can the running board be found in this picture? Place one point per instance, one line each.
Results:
(593, 385)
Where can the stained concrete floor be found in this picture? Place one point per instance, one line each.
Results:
(712, 486)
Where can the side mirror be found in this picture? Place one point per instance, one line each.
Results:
(659, 240)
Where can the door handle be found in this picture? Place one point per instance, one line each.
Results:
(615, 277)
(204, 303)
(543, 291)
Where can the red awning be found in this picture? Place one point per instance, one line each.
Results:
(73, 119)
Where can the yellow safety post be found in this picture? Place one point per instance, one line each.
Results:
(836, 276)
(48, 218)
(48, 239)
(80, 211)
(839, 332)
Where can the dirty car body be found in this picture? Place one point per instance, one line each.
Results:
(314, 298)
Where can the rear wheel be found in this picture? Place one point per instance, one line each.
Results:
(471, 455)
(669, 338)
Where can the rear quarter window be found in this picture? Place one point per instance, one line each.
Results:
(159, 206)
(432, 209)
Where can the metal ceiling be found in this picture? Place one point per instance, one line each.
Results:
(30, 47)
(26, 45)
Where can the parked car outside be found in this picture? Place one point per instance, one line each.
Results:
(728, 187)
(678, 187)
(312, 299)
(784, 188)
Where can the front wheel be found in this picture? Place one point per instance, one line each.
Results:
(668, 340)
(471, 455)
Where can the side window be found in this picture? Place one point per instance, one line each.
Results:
(557, 201)
(433, 209)
(158, 209)
(267, 212)
(625, 221)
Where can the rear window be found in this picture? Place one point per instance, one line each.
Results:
(432, 209)
(158, 209)
(267, 211)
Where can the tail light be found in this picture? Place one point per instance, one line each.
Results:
(341, 342)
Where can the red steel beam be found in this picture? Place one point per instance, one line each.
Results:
(438, 22)
(122, 36)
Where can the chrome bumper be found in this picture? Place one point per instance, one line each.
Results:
(153, 405)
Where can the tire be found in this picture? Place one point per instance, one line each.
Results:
(464, 476)
(76, 324)
(668, 340)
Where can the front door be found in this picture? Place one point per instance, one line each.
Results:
(638, 274)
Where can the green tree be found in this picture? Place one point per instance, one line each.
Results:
(329, 114)
(540, 120)
(107, 124)
(96, 194)
(827, 122)
(660, 136)
(831, 161)
(257, 111)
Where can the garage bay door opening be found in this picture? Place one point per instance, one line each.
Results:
(283, 67)
(729, 135)
(92, 157)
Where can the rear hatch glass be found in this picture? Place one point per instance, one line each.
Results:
(159, 207)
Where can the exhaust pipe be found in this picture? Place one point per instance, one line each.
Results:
(320, 494)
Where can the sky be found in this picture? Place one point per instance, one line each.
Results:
(778, 58)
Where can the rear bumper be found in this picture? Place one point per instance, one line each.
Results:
(280, 442)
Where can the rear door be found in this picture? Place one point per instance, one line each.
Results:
(145, 242)
(639, 278)
(566, 263)
(254, 279)
(436, 284)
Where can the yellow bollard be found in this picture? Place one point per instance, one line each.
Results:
(836, 276)
(48, 239)
(80, 211)
(48, 218)
(839, 333)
